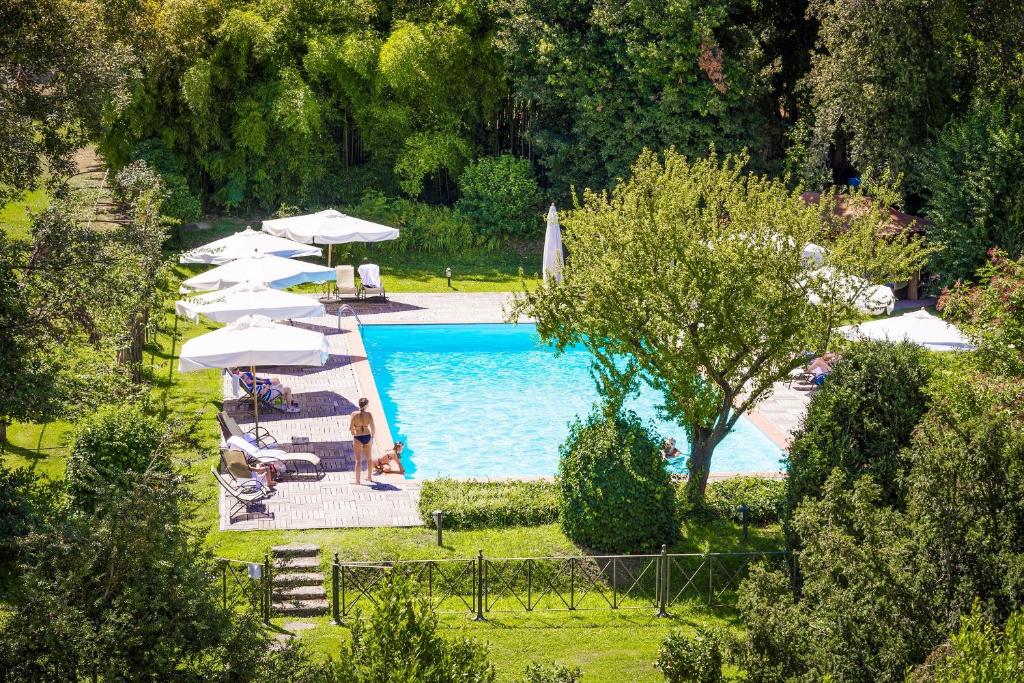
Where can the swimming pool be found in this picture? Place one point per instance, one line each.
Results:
(491, 401)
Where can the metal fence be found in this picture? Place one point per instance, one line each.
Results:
(483, 585)
(246, 585)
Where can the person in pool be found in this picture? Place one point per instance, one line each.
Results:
(668, 449)
(361, 427)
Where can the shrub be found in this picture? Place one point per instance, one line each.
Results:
(501, 196)
(860, 421)
(479, 505)
(18, 514)
(763, 497)
(112, 441)
(401, 642)
(691, 660)
(616, 492)
(553, 673)
(425, 228)
(983, 652)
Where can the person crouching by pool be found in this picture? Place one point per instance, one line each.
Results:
(361, 427)
(392, 456)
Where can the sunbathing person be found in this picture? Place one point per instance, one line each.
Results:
(392, 456)
(823, 364)
(267, 387)
(668, 449)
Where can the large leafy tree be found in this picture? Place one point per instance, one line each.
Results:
(690, 274)
(59, 70)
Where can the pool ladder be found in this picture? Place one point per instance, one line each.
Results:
(345, 308)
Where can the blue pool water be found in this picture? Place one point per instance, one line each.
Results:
(492, 401)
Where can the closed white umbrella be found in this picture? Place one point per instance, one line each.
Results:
(250, 341)
(246, 243)
(552, 259)
(275, 271)
(245, 298)
(329, 227)
(919, 327)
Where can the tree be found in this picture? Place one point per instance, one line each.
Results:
(59, 72)
(127, 594)
(975, 176)
(992, 313)
(860, 421)
(690, 274)
(861, 614)
(980, 651)
(502, 197)
(964, 494)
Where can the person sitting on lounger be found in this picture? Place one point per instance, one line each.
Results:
(266, 387)
(264, 474)
(392, 456)
(823, 364)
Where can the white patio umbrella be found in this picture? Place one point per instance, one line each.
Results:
(919, 327)
(245, 298)
(246, 243)
(552, 259)
(870, 299)
(250, 341)
(329, 227)
(275, 271)
(812, 253)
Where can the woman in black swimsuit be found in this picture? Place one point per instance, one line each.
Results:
(361, 427)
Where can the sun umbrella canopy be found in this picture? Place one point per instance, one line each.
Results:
(813, 254)
(552, 263)
(329, 227)
(919, 327)
(251, 341)
(246, 243)
(228, 305)
(275, 271)
(870, 299)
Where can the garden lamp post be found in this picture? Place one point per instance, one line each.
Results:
(744, 519)
(438, 516)
(448, 274)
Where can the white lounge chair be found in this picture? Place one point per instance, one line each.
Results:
(371, 282)
(284, 461)
(344, 285)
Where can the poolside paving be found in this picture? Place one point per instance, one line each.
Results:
(327, 395)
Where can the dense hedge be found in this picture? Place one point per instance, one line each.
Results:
(479, 505)
(616, 493)
(501, 196)
(763, 497)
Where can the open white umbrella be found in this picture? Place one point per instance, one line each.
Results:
(870, 299)
(246, 243)
(329, 227)
(552, 259)
(245, 298)
(919, 327)
(250, 341)
(275, 271)
(812, 254)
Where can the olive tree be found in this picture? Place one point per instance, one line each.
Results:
(690, 275)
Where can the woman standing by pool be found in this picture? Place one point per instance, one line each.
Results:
(361, 427)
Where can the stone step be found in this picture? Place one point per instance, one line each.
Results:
(289, 593)
(301, 608)
(284, 564)
(296, 550)
(299, 579)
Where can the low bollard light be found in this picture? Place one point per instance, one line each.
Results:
(448, 274)
(744, 518)
(439, 525)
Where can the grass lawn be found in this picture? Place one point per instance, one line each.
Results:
(13, 216)
(472, 271)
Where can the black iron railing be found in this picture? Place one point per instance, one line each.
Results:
(246, 585)
(483, 585)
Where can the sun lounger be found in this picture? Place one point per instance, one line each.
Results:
(257, 435)
(244, 494)
(371, 283)
(344, 285)
(284, 462)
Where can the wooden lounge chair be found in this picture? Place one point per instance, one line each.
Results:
(244, 494)
(289, 462)
(344, 285)
(258, 435)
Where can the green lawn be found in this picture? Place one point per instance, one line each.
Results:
(13, 216)
(472, 271)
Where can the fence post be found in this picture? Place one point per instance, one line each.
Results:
(335, 571)
(268, 591)
(661, 585)
(711, 577)
(529, 585)
(479, 586)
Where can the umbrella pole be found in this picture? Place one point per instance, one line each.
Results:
(255, 399)
(329, 255)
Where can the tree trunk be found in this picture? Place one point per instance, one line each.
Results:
(702, 447)
(3, 430)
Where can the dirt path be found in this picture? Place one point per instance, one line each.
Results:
(90, 180)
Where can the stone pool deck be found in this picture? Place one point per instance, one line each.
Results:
(327, 395)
